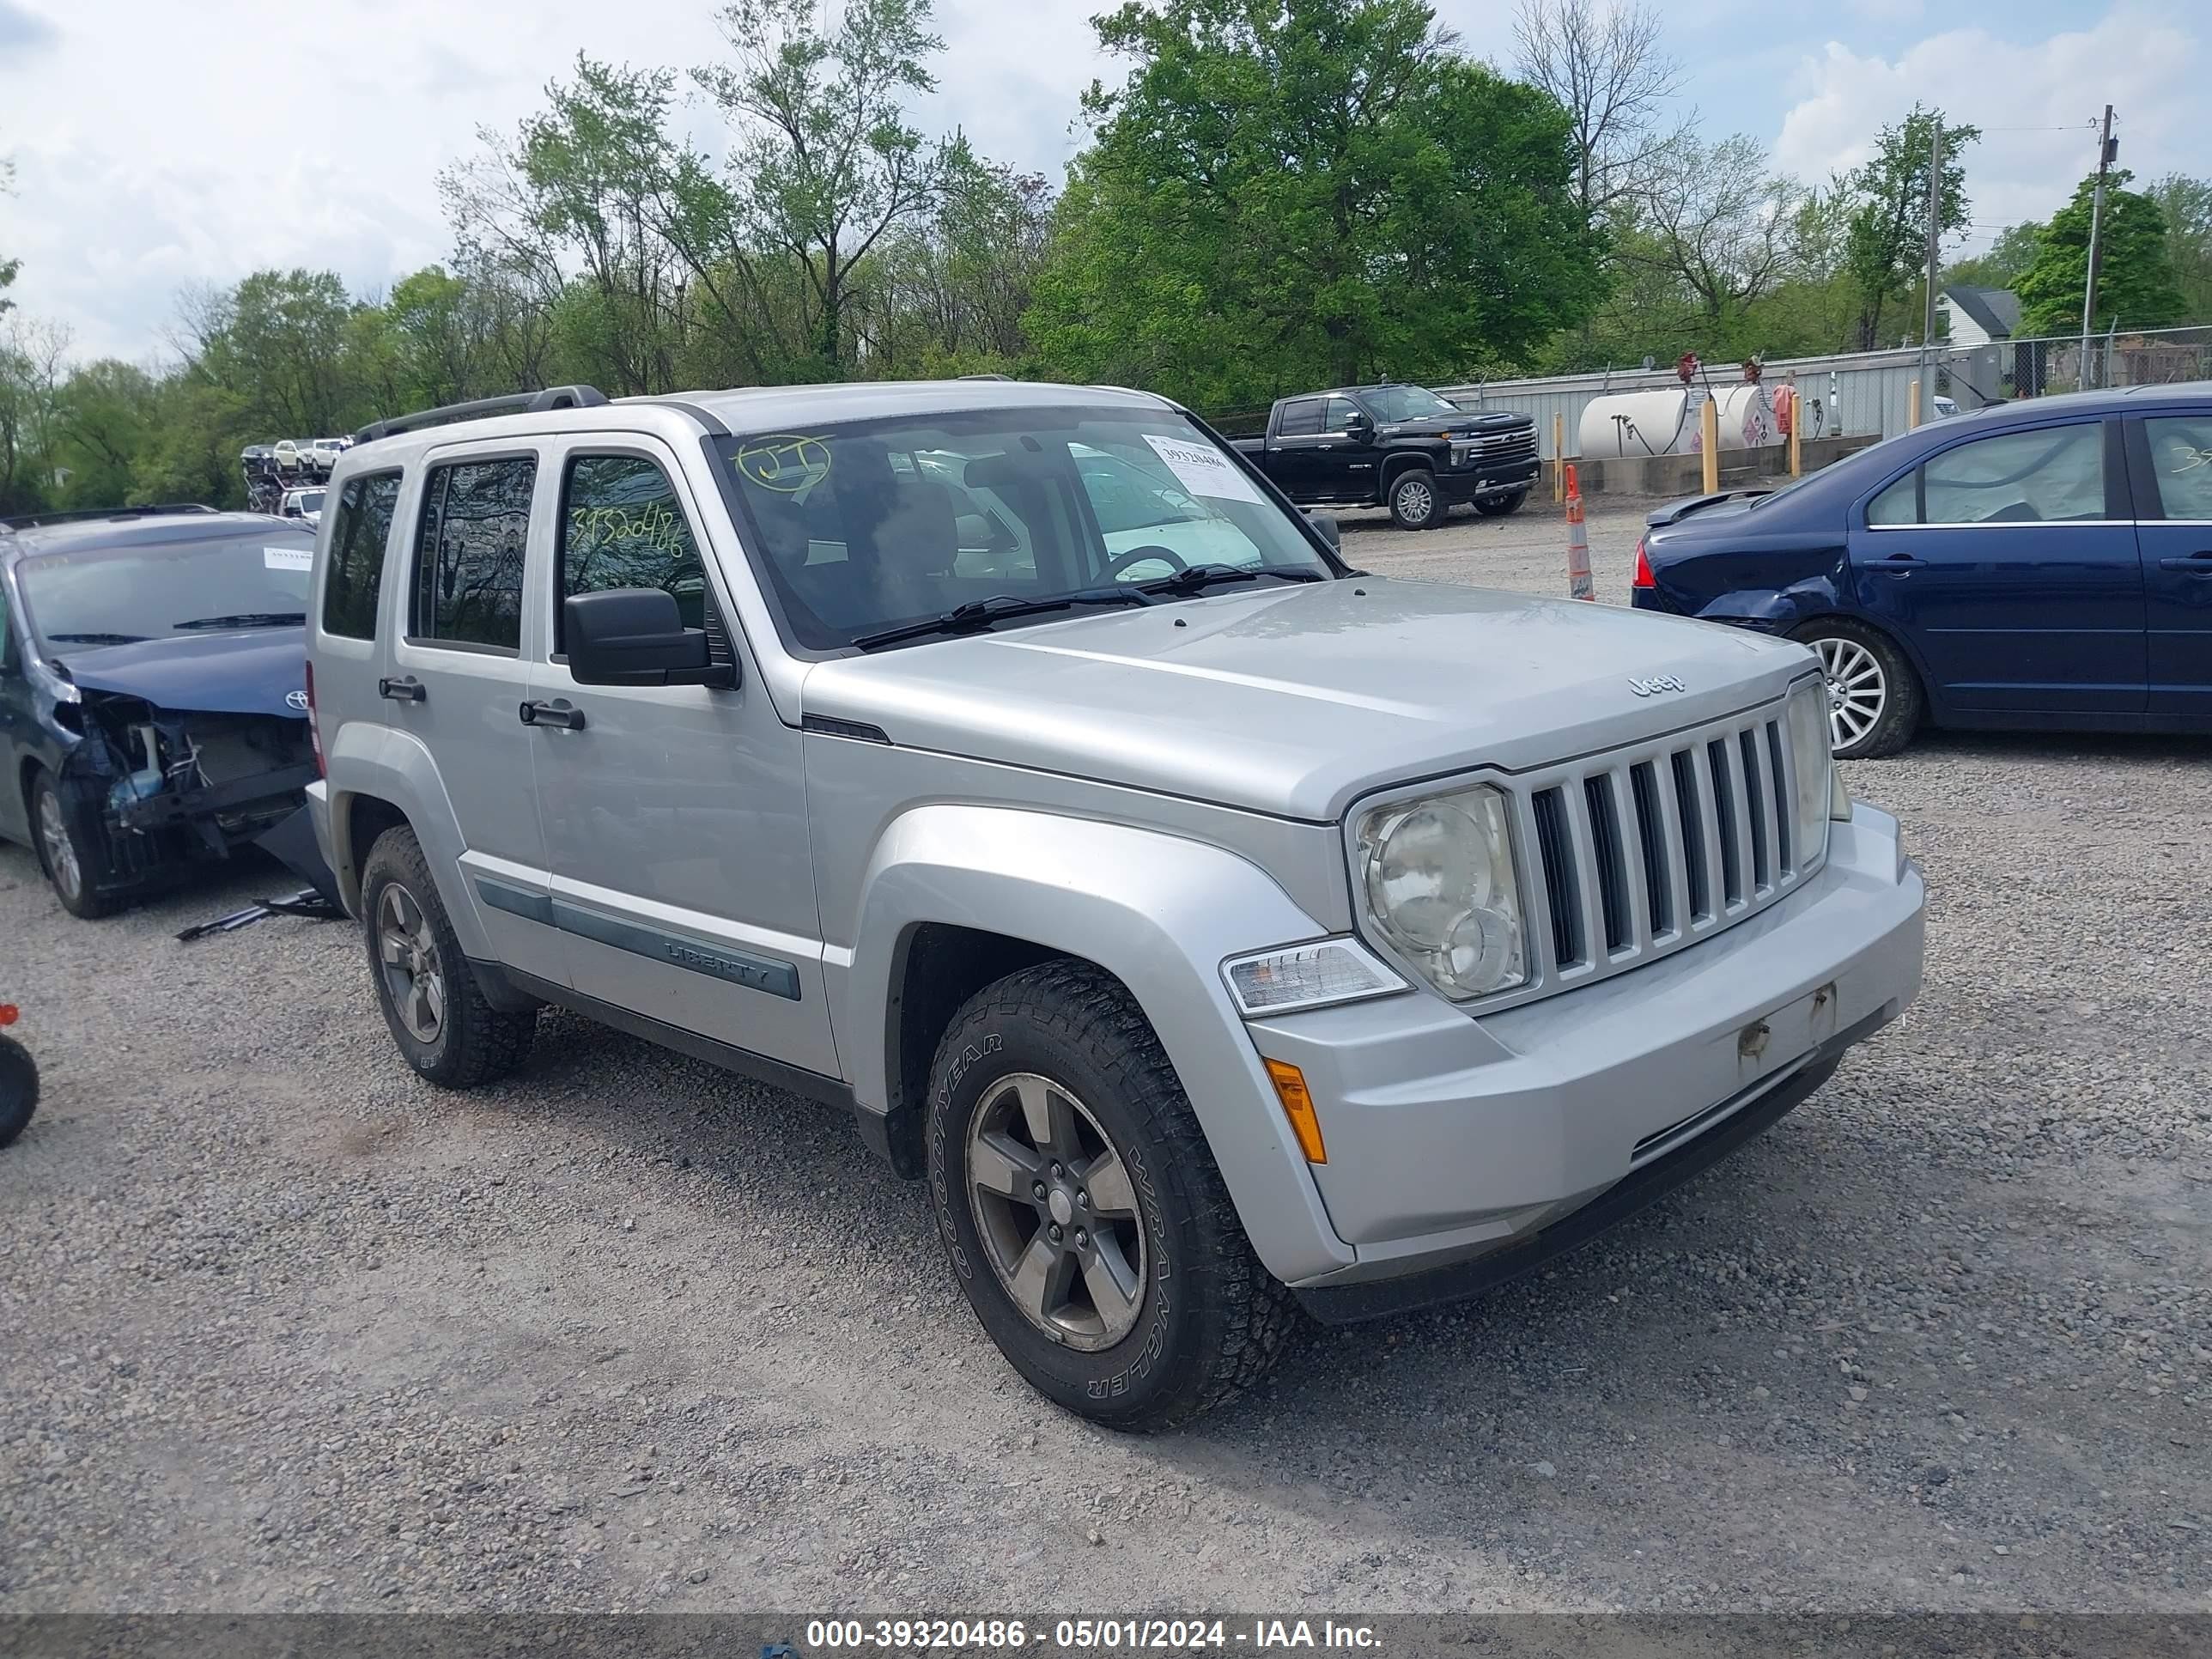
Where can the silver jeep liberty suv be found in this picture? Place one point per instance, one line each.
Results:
(1217, 929)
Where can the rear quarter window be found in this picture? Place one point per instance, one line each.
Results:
(360, 534)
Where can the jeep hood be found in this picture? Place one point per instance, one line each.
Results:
(1294, 700)
(241, 671)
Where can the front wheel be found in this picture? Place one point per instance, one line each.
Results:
(1874, 699)
(1082, 1210)
(71, 867)
(1414, 503)
(19, 1088)
(1497, 506)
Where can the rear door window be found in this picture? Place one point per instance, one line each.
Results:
(2019, 477)
(2181, 464)
(359, 537)
(2050, 475)
(1302, 418)
(469, 555)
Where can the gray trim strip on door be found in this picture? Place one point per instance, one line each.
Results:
(771, 975)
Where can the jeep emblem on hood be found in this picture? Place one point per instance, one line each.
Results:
(1656, 682)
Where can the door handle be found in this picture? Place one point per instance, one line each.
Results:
(2198, 563)
(560, 712)
(405, 688)
(1897, 563)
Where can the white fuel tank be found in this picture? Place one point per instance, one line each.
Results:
(1663, 422)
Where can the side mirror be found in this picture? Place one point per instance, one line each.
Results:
(1362, 424)
(1325, 524)
(636, 636)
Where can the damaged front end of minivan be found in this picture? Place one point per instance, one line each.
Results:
(151, 788)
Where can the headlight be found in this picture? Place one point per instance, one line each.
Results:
(1438, 878)
(1810, 758)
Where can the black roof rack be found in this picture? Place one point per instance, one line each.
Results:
(86, 514)
(514, 402)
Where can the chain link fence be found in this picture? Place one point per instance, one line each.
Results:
(2004, 370)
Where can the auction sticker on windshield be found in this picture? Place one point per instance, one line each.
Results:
(288, 558)
(1204, 470)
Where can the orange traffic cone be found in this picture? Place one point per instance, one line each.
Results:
(1579, 585)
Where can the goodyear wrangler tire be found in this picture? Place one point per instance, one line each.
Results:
(1081, 1209)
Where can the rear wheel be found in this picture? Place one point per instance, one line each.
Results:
(1497, 506)
(71, 865)
(431, 1001)
(1082, 1210)
(1874, 699)
(1414, 503)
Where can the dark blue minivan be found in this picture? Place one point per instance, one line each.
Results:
(2045, 563)
(153, 697)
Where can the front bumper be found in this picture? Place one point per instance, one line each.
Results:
(1478, 482)
(1451, 1138)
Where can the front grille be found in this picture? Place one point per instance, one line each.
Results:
(1503, 448)
(1639, 852)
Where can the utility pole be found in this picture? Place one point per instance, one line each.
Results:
(2106, 149)
(1935, 243)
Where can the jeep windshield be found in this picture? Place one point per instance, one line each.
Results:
(110, 595)
(894, 527)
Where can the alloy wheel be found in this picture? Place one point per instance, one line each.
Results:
(1858, 691)
(407, 956)
(1415, 499)
(1057, 1214)
(61, 851)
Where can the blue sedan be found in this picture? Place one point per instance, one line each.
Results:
(2045, 564)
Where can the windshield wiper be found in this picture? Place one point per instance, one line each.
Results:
(978, 614)
(244, 619)
(1198, 577)
(94, 639)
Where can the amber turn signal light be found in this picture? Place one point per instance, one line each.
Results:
(1297, 1106)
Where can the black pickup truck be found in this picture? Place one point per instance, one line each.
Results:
(1398, 447)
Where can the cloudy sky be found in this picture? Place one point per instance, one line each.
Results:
(158, 145)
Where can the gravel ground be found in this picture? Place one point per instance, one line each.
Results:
(287, 1330)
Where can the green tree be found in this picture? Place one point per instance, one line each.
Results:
(9, 268)
(31, 356)
(2186, 204)
(1888, 238)
(825, 163)
(2136, 285)
(1307, 191)
(107, 412)
(276, 344)
(947, 295)
(2005, 261)
(1718, 220)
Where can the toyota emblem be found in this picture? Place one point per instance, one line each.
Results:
(297, 700)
